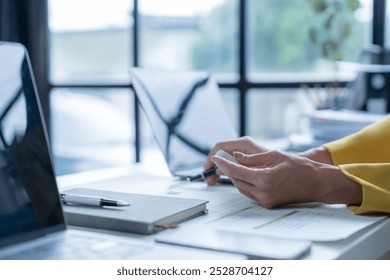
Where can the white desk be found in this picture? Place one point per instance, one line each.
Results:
(370, 243)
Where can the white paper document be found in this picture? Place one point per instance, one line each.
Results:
(306, 222)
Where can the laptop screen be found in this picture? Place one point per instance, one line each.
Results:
(186, 113)
(29, 201)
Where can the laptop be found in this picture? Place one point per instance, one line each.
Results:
(187, 116)
(32, 224)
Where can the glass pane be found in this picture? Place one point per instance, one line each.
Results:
(231, 97)
(90, 41)
(277, 113)
(91, 128)
(298, 39)
(191, 34)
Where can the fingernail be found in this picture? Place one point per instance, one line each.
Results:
(213, 159)
(238, 155)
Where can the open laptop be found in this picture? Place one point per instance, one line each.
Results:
(187, 115)
(32, 223)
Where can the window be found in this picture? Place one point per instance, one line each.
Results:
(190, 35)
(91, 48)
(261, 53)
(90, 44)
(289, 37)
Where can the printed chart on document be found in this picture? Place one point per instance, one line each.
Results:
(315, 222)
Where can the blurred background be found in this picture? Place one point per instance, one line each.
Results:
(275, 61)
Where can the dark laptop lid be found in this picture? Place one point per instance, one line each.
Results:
(29, 200)
(186, 113)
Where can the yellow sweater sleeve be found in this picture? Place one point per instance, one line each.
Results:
(364, 157)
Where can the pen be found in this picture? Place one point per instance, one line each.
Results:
(91, 200)
(203, 174)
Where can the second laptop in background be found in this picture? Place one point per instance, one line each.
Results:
(187, 115)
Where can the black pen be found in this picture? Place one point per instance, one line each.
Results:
(91, 200)
(203, 174)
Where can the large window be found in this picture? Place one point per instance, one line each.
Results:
(261, 53)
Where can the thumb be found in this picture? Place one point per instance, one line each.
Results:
(266, 159)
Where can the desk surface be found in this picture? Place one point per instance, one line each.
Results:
(370, 243)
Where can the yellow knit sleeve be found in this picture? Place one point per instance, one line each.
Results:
(364, 157)
(374, 178)
(370, 145)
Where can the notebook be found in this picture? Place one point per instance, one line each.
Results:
(146, 214)
(32, 224)
(187, 115)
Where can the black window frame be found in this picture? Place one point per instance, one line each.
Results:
(243, 85)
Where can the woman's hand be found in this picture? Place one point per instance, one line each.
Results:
(244, 144)
(272, 178)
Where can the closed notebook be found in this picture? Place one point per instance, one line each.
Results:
(146, 214)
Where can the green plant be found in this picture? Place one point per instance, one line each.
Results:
(333, 27)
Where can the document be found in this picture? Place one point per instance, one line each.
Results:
(315, 222)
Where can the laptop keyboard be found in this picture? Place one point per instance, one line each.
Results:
(80, 247)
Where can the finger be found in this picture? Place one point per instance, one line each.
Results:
(219, 172)
(269, 158)
(254, 192)
(212, 179)
(244, 187)
(228, 146)
(233, 170)
(244, 144)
